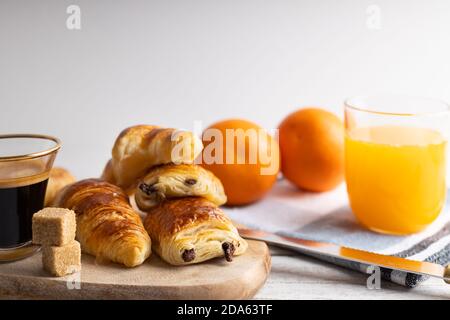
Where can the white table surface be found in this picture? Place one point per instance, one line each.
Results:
(295, 276)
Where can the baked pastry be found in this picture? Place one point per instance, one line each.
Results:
(108, 174)
(58, 179)
(175, 181)
(191, 230)
(107, 226)
(141, 147)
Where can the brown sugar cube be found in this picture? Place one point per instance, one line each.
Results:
(61, 261)
(54, 226)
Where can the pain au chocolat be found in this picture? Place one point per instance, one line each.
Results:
(191, 230)
(176, 181)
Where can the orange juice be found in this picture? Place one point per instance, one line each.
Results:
(395, 177)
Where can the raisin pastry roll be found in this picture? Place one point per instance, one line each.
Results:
(176, 181)
(107, 226)
(141, 147)
(191, 230)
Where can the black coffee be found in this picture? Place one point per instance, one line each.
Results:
(17, 206)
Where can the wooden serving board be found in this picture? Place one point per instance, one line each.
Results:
(215, 279)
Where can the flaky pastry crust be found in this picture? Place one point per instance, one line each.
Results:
(107, 226)
(191, 230)
(176, 181)
(141, 147)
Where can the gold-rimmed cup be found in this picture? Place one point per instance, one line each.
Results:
(25, 164)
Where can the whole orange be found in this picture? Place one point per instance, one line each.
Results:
(243, 156)
(312, 149)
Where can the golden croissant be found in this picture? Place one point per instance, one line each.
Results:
(191, 230)
(107, 226)
(175, 181)
(141, 147)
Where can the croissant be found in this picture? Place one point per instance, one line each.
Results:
(107, 226)
(58, 179)
(141, 147)
(175, 181)
(191, 230)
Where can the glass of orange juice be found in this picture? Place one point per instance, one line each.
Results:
(395, 161)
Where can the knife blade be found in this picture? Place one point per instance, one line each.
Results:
(349, 254)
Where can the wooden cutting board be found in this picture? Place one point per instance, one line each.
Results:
(215, 279)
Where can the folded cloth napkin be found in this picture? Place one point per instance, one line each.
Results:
(327, 217)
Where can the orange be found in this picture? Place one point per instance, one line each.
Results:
(312, 149)
(245, 174)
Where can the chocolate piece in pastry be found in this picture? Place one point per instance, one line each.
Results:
(191, 230)
(176, 181)
(107, 226)
(58, 179)
(141, 147)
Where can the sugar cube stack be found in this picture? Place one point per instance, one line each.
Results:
(54, 229)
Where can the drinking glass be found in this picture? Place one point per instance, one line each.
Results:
(395, 161)
(25, 163)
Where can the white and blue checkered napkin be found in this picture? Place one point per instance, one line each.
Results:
(326, 217)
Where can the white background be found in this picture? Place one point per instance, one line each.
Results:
(173, 62)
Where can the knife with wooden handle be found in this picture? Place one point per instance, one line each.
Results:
(348, 254)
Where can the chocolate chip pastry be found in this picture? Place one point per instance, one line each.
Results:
(181, 199)
(176, 181)
(191, 230)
